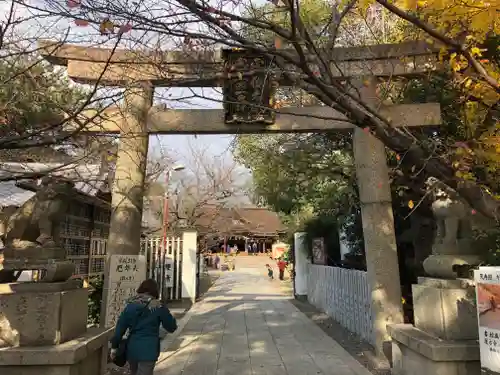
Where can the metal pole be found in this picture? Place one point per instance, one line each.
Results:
(165, 229)
(165, 210)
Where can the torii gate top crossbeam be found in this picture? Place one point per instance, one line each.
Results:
(205, 68)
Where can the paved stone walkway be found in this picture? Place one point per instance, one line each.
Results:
(246, 326)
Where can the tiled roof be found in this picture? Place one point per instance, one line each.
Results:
(240, 220)
(88, 179)
(11, 195)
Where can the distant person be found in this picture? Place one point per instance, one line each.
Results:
(270, 272)
(281, 267)
(254, 247)
(217, 261)
(142, 317)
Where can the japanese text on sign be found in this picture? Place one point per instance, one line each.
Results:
(492, 340)
(169, 272)
(126, 272)
(488, 312)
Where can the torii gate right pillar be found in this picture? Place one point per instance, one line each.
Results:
(378, 228)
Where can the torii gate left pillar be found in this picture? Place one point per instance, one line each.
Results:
(128, 188)
(127, 200)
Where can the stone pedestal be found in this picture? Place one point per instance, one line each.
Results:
(441, 265)
(446, 308)
(416, 353)
(444, 338)
(86, 355)
(43, 330)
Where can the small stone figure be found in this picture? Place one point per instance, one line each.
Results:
(30, 234)
(453, 243)
(451, 214)
(35, 223)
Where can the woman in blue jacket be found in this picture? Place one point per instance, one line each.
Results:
(144, 313)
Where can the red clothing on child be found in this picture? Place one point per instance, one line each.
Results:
(281, 265)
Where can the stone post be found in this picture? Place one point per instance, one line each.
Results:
(301, 266)
(378, 227)
(128, 186)
(189, 266)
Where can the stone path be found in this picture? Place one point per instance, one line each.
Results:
(246, 326)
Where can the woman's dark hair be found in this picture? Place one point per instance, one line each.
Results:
(150, 287)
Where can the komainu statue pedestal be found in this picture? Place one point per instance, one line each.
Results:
(50, 261)
(43, 330)
(444, 338)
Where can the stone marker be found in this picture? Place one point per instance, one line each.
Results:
(126, 272)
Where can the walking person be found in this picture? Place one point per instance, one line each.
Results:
(141, 317)
(281, 268)
(270, 272)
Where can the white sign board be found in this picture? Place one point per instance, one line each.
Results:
(126, 272)
(488, 312)
(169, 272)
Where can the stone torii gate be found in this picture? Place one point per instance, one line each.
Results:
(136, 119)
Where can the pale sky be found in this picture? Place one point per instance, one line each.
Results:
(176, 144)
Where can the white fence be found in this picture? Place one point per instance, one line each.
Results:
(164, 266)
(344, 295)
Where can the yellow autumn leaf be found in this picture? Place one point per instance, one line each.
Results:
(411, 205)
(475, 51)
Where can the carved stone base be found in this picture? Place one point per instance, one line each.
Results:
(414, 352)
(439, 265)
(85, 355)
(453, 315)
(37, 314)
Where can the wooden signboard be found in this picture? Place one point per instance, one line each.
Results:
(249, 88)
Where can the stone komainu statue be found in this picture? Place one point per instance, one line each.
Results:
(454, 251)
(452, 214)
(36, 222)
